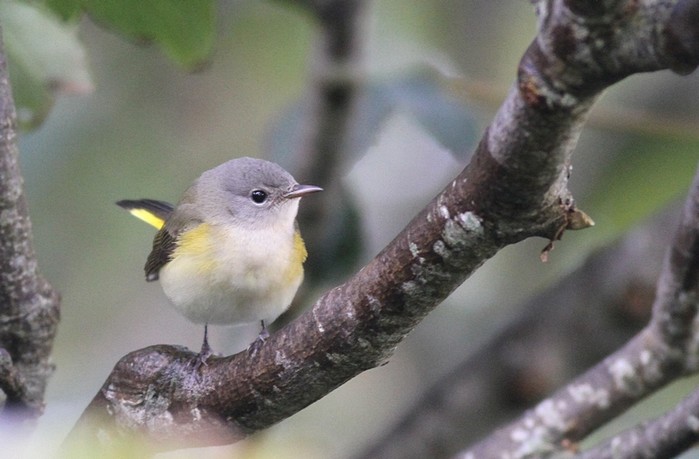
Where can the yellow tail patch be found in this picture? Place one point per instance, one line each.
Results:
(148, 217)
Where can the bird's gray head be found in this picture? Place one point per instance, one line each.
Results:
(246, 191)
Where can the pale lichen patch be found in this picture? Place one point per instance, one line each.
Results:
(441, 249)
(532, 443)
(568, 100)
(281, 359)
(519, 435)
(585, 393)
(336, 358)
(444, 212)
(693, 422)
(529, 422)
(414, 249)
(374, 304)
(410, 288)
(454, 234)
(550, 415)
(470, 221)
(616, 443)
(626, 379)
(319, 325)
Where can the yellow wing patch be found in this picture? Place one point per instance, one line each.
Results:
(148, 217)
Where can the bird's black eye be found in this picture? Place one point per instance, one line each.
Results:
(258, 196)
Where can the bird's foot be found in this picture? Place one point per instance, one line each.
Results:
(259, 341)
(204, 353)
(201, 358)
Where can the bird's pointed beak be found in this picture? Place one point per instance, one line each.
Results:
(301, 190)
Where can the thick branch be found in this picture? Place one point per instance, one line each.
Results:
(661, 352)
(514, 188)
(29, 306)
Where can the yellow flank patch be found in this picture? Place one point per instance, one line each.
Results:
(196, 245)
(298, 257)
(148, 217)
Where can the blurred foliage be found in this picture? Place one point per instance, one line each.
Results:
(184, 29)
(419, 91)
(45, 59)
(647, 174)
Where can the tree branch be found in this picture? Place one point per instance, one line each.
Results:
(514, 188)
(29, 307)
(662, 351)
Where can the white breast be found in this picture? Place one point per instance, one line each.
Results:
(242, 276)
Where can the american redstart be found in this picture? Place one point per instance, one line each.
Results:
(230, 251)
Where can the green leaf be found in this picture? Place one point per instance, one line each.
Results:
(44, 58)
(183, 28)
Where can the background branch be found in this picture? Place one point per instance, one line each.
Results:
(29, 307)
(662, 351)
(666, 436)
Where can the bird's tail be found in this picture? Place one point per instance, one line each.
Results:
(153, 212)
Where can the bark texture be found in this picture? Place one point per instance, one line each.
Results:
(29, 307)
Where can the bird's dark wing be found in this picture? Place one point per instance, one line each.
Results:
(155, 213)
(163, 247)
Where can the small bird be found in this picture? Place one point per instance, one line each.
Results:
(230, 252)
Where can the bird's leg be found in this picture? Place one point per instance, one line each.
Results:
(264, 334)
(261, 338)
(205, 351)
(205, 348)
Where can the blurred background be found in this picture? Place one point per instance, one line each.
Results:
(150, 128)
